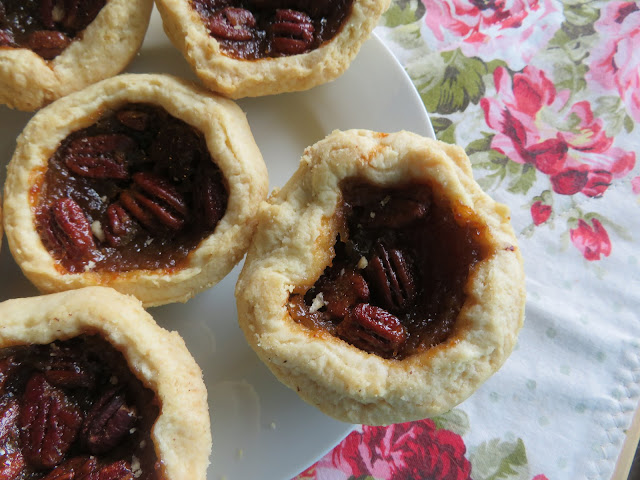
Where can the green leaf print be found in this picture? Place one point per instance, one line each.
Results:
(629, 124)
(452, 82)
(445, 129)
(399, 14)
(455, 421)
(580, 13)
(523, 183)
(496, 460)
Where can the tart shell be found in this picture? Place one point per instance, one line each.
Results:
(105, 48)
(229, 141)
(268, 76)
(294, 243)
(157, 357)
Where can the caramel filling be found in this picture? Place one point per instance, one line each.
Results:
(253, 29)
(46, 27)
(73, 409)
(402, 260)
(136, 190)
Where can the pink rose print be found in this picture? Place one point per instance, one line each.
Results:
(401, 451)
(635, 185)
(575, 153)
(512, 31)
(615, 64)
(592, 240)
(540, 213)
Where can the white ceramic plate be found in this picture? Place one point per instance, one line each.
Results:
(261, 429)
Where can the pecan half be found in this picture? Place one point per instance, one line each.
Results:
(232, 23)
(108, 421)
(77, 468)
(48, 43)
(120, 470)
(7, 365)
(69, 229)
(157, 202)
(342, 290)
(11, 464)
(65, 371)
(120, 228)
(134, 119)
(99, 156)
(292, 32)
(6, 38)
(78, 14)
(9, 411)
(391, 278)
(49, 423)
(373, 330)
(210, 199)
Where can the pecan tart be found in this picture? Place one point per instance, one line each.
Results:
(383, 284)
(92, 387)
(144, 183)
(50, 48)
(249, 48)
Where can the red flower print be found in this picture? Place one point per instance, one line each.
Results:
(614, 64)
(490, 30)
(401, 451)
(592, 240)
(635, 185)
(540, 212)
(576, 154)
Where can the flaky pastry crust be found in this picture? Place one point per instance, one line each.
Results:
(104, 49)
(293, 245)
(230, 144)
(268, 76)
(157, 357)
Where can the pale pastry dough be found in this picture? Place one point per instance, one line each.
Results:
(103, 49)
(229, 141)
(294, 243)
(157, 357)
(238, 78)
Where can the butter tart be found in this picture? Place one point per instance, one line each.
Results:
(144, 183)
(50, 48)
(92, 387)
(383, 285)
(249, 48)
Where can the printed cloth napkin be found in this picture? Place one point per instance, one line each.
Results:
(544, 95)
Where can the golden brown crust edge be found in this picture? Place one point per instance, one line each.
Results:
(229, 141)
(269, 76)
(108, 44)
(159, 359)
(291, 246)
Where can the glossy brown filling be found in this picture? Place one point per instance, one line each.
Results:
(136, 190)
(397, 281)
(45, 26)
(253, 29)
(73, 410)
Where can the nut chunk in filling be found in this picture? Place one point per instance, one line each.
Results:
(73, 409)
(254, 29)
(136, 190)
(396, 283)
(46, 27)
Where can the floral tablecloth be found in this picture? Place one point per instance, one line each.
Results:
(544, 95)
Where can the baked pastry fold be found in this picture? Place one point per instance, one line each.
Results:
(101, 50)
(157, 358)
(49, 238)
(366, 368)
(237, 77)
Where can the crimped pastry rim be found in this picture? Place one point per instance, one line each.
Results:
(229, 140)
(30, 82)
(159, 358)
(269, 76)
(340, 379)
